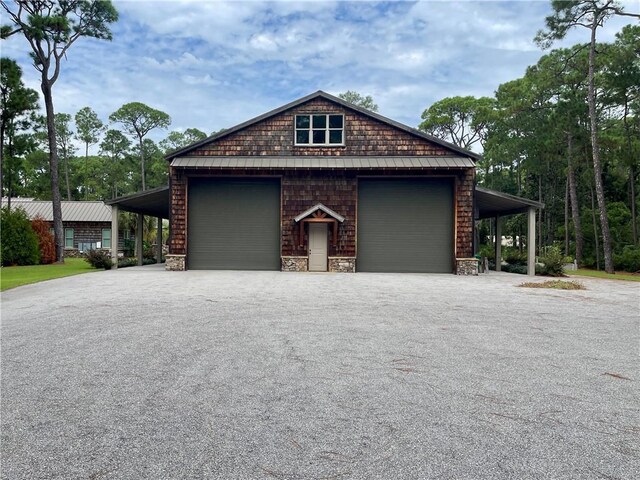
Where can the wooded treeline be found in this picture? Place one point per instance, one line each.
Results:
(114, 171)
(535, 134)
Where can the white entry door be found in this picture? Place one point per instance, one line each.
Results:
(317, 247)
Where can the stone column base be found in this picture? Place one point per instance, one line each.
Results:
(342, 264)
(294, 264)
(175, 263)
(466, 266)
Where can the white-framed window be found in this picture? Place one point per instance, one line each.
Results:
(106, 238)
(86, 246)
(319, 129)
(68, 238)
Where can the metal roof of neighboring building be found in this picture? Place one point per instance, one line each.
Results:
(71, 211)
(326, 162)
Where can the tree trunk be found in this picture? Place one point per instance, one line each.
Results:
(144, 184)
(539, 246)
(575, 206)
(597, 168)
(66, 175)
(53, 170)
(86, 171)
(1, 155)
(10, 177)
(632, 173)
(595, 229)
(566, 217)
(634, 223)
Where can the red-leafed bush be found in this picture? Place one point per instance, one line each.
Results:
(46, 240)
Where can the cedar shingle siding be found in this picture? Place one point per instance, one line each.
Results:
(364, 136)
(338, 190)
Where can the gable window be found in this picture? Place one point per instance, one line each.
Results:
(106, 238)
(68, 238)
(319, 129)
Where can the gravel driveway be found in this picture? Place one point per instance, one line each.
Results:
(141, 373)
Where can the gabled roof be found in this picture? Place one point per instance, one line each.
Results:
(317, 207)
(331, 98)
(79, 211)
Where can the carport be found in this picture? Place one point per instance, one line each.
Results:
(488, 204)
(154, 203)
(493, 204)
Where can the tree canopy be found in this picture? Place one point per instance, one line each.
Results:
(359, 100)
(138, 120)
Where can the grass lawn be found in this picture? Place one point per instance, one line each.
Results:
(11, 277)
(584, 272)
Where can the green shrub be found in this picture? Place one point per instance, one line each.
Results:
(553, 261)
(488, 251)
(148, 252)
(133, 262)
(129, 247)
(628, 260)
(510, 268)
(127, 262)
(99, 259)
(513, 256)
(19, 241)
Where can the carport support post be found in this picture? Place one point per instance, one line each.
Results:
(159, 242)
(114, 236)
(498, 243)
(139, 228)
(531, 242)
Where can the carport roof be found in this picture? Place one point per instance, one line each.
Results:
(490, 203)
(153, 202)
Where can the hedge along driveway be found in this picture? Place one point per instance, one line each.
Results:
(141, 373)
(11, 277)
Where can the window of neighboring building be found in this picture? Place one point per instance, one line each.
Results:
(52, 231)
(319, 129)
(68, 238)
(86, 246)
(106, 238)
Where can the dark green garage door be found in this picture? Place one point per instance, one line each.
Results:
(233, 224)
(405, 225)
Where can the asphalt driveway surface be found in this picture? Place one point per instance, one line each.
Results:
(141, 373)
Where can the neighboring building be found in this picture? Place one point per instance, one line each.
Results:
(322, 185)
(87, 225)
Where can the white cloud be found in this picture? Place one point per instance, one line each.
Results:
(214, 64)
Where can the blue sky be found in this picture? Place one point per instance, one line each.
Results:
(215, 64)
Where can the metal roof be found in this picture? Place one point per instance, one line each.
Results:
(154, 202)
(331, 98)
(491, 203)
(326, 162)
(71, 211)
